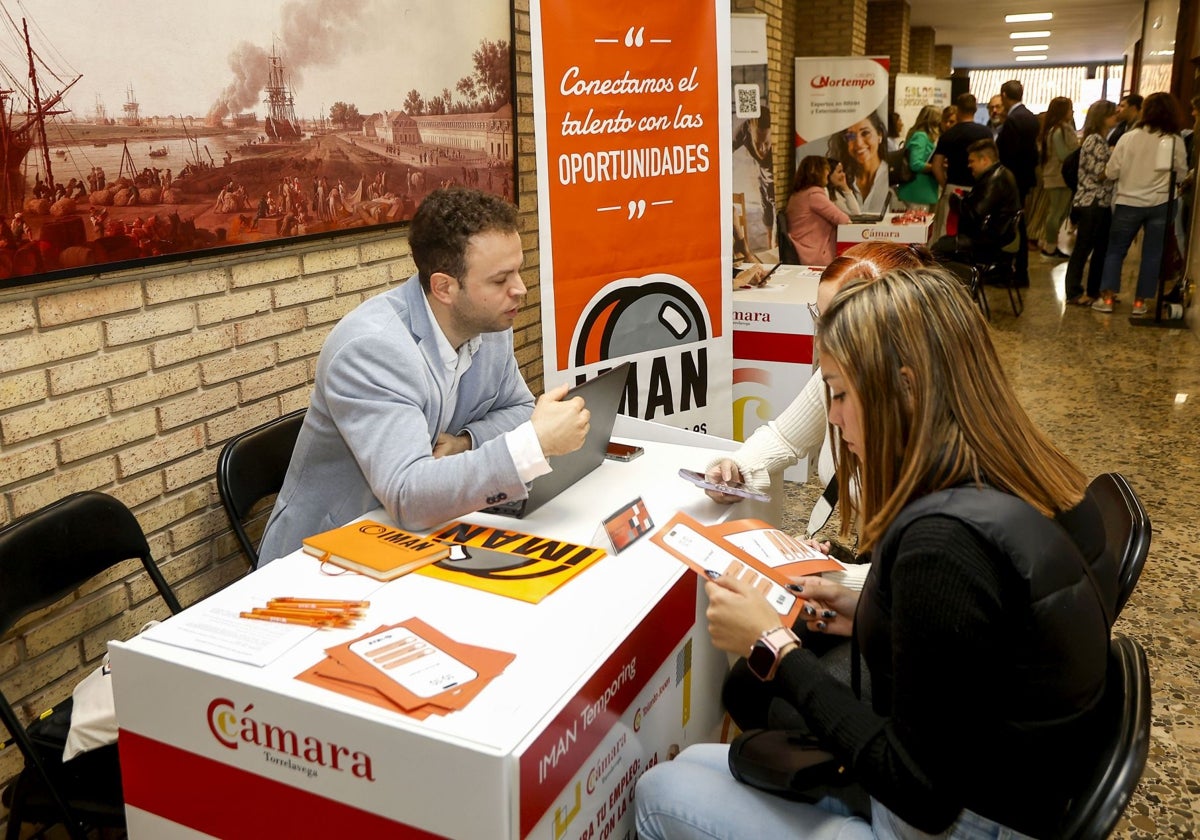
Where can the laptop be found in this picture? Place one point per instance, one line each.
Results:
(872, 218)
(602, 396)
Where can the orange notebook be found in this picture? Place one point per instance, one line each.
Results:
(375, 550)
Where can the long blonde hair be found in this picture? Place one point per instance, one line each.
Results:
(929, 121)
(937, 409)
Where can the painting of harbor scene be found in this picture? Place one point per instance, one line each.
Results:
(133, 133)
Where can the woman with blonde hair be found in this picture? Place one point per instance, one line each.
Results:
(1057, 140)
(984, 621)
(922, 191)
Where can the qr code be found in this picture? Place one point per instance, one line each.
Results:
(745, 98)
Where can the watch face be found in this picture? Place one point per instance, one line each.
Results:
(761, 660)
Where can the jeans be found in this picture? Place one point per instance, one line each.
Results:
(1126, 220)
(1090, 239)
(695, 798)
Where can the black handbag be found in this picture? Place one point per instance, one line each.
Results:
(786, 763)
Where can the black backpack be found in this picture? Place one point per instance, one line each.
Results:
(1070, 170)
(899, 170)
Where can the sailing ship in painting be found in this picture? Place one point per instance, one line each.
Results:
(82, 191)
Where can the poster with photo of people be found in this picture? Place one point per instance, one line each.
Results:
(841, 113)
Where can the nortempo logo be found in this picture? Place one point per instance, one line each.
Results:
(818, 82)
(232, 729)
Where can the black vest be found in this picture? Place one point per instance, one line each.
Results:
(1063, 590)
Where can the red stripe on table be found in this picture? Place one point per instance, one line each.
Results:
(773, 347)
(185, 788)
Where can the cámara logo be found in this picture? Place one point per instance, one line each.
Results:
(232, 729)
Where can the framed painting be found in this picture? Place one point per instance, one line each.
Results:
(147, 134)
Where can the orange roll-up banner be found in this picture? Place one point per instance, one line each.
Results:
(632, 122)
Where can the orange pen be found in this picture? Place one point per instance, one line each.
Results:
(320, 623)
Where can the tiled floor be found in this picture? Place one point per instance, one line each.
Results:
(1112, 395)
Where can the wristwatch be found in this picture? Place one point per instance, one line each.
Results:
(765, 655)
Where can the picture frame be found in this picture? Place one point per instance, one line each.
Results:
(256, 140)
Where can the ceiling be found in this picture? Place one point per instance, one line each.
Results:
(1082, 31)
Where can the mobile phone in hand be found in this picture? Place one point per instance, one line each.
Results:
(731, 488)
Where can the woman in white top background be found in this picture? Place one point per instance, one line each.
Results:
(1142, 173)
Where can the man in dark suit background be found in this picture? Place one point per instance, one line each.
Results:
(1129, 112)
(1017, 142)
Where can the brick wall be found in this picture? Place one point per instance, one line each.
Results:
(943, 60)
(131, 382)
(920, 50)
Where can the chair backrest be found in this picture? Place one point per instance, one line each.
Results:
(1127, 529)
(1122, 759)
(252, 466)
(787, 250)
(49, 554)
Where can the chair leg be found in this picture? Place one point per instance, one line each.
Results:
(979, 292)
(1015, 299)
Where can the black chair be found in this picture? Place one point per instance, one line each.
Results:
(44, 557)
(1000, 269)
(251, 467)
(971, 280)
(787, 251)
(1126, 529)
(1122, 758)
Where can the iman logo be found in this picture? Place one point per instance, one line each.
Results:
(509, 555)
(656, 321)
(280, 746)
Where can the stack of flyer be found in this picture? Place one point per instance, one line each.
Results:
(408, 667)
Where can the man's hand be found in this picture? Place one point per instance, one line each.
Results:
(451, 444)
(561, 426)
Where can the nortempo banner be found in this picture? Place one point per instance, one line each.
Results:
(841, 113)
(632, 127)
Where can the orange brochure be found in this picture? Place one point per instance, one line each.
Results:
(413, 665)
(510, 563)
(734, 548)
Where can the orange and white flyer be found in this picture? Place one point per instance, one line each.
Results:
(750, 550)
(632, 127)
(510, 563)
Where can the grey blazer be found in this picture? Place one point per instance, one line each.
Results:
(376, 411)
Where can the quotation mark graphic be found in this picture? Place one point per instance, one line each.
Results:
(635, 39)
(637, 207)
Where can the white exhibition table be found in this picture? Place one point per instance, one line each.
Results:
(888, 230)
(613, 672)
(773, 349)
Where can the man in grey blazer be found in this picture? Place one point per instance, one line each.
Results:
(418, 405)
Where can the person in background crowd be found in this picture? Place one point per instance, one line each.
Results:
(839, 189)
(895, 132)
(1129, 113)
(1092, 205)
(1141, 198)
(950, 159)
(984, 622)
(812, 217)
(1017, 142)
(921, 193)
(949, 118)
(986, 214)
(1057, 140)
(995, 115)
(860, 148)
